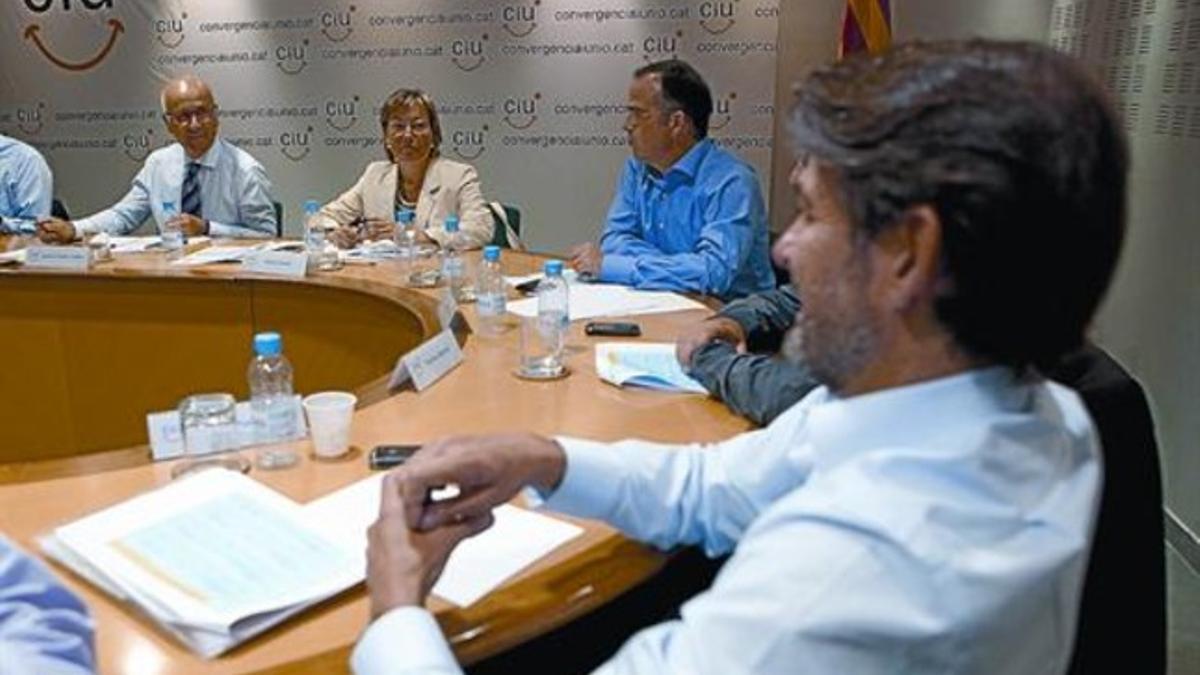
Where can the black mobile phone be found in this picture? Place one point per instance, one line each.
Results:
(528, 287)
(388, 456)
(616, 328)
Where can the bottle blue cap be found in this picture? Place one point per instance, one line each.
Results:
(452, 223)
(311, 206)
(268, 344)
(405, 216)
(553, 268)
(491, 253)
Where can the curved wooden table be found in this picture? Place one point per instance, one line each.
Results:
(479, 396)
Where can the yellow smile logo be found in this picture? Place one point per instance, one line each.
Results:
(33, 32)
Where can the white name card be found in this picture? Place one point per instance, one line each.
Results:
(276, 263)
(166, 434)
(59, 257)
(428, 362)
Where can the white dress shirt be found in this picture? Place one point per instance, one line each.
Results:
(235, 194)
(941, 527)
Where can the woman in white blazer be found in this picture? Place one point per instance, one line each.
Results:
(415, 177)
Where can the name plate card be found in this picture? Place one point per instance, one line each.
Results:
(428, 362)
(59, 257)
(276, 263)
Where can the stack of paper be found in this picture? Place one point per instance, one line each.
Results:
(214, 254)
(16, 257)
(214, 558)
(588, 301)
(217, 557)
(645, 364)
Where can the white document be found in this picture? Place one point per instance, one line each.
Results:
(16, 257)
(133, 244)
(588, 301)
(139, 244)
(280, 262)
(477, 566)
(214, 558)
(645, 364)
(214, 254)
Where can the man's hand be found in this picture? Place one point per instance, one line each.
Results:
(190, 225)
(586, 259)
(403, 564)
(55, 231)
(488, 471)
(713, 329)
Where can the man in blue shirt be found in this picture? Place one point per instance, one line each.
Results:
(929, 507)
(212, 187)
(26, 187)
(44, 628)
(688, 215)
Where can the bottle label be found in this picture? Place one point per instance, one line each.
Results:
(490, 304)
(453, 266)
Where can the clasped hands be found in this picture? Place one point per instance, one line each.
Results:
(410, 542)
(58, 231)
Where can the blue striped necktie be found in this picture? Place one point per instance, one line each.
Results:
(190, 203)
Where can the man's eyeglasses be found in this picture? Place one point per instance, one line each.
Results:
(201, 116)
(396, 127)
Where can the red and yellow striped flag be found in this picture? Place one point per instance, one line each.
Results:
(866, 27)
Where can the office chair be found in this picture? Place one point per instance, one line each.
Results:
(278, 219)
(58, 209)
(1122, 618)
(506, 226)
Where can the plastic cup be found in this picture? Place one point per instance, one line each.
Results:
(329, 414)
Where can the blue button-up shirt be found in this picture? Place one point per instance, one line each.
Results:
(699, 227)
(940, 527)
(44, 628)
(26, 187)
(235, 194)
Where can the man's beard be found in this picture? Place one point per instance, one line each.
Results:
(835, 344)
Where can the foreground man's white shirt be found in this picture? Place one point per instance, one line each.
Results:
(939, 527)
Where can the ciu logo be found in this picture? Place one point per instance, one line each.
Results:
(469, 144)
(519, 20)
(137, 146)
(295, 144)
(33, 32)
(722, 111)
(521, 113)
(169, 31)
(469, 53)
(717, 17)
(31, 119)
(337, 26)
(662, 46)
(291, 58)
(341, 114)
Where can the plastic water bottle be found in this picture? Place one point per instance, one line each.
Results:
(322, 254)
(405, 237)
(490, 293)
(454, 269)
(172, 235)
(553, 315)
(272, 405)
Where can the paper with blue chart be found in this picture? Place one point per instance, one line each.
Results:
(644, 364)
